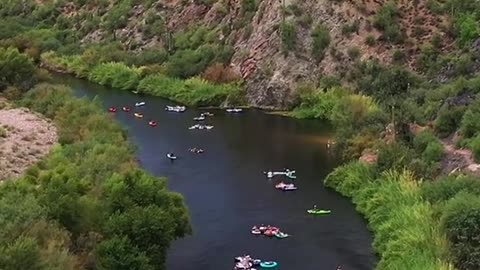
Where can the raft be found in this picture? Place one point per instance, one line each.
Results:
(269, 264)
(318, 212)
(281, 235)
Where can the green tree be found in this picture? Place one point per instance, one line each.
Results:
(15, 68)
(120, 253)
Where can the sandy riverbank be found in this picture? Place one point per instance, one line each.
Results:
(25, 138)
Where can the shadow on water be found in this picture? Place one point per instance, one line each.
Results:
(227, 193)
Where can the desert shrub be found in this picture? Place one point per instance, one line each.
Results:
(288, 35)
(117, 75)
(370, 40)
(386, 20)
(470, 126)
(219, 74)
(321, 40)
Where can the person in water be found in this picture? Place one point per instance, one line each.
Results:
(314, 207)
(339, 267)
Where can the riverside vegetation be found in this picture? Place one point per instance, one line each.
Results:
(417, 223)
(84, 205)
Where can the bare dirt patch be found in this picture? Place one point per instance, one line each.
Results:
(25, 137)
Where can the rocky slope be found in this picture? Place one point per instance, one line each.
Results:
(271, 76)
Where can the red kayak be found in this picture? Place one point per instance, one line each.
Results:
(152, 123)
(112, 109)
(125, 109)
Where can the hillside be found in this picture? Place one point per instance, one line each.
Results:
(272, 45)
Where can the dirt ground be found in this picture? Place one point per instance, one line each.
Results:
(25, 137)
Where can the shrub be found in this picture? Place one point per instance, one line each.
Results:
(321, 40)
(475, 146)
(117, 75)
(220, 74)
(395, 156)
(348, 29)
(187, 63)
(467, 29)
(16, 69)
(448, 119)
(193, 91)
(421, 141)
(350, 178)
(470, 126)
(460, 219)
(370, 40)
(433, 152)
(288, 35)
(445, 188)
(353, 52)
(398, 56)
(318, 104)
(386, 20)
(3, 132)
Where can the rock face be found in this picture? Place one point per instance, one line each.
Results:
(271, 76)
(25, 137)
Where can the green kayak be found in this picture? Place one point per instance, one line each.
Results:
(318, 212)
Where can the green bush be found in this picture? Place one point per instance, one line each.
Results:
(321, 40)
(15, 69)
(370, 40)
(475, 146)
(448, 119)
(460, 219)
(348, 29)
(470, 124)
(395, 156)
(386, 20)
(117, 75)
(445, 188)
(318, 104)
(467, 29)
(288, 35)
(187, 63)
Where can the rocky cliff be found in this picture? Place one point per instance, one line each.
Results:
(270, 72)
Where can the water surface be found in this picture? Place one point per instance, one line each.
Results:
(226, 191)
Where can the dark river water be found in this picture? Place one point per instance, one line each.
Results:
(226, 191)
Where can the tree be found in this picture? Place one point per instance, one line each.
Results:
(15, 68)
(120, 254)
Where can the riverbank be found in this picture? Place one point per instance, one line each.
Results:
(88, 193)
(194, 91)
(407, 234)
(25, 138)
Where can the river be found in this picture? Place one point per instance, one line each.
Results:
(227, 193)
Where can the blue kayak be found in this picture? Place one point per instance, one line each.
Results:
(268, 264)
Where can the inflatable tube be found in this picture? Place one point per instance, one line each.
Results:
(152, 123)
(172, 157)
(281, 235)
(256, 262)
(269, 264)
(138, 115)
(139, 104)
(112, 109)
(318, 212)
(256, 232)
(125, 109)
